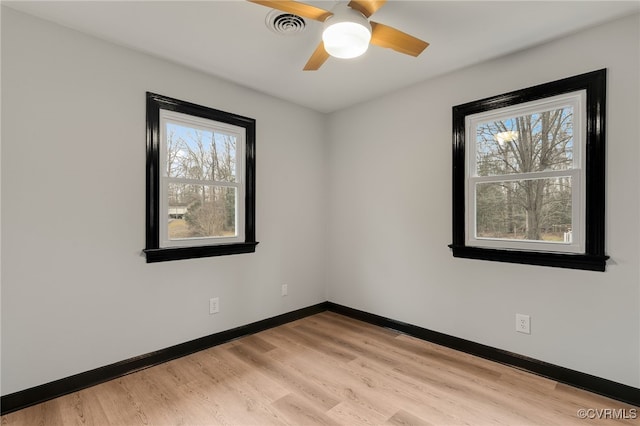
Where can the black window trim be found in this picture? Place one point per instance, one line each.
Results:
(594, 257)
(153, 251)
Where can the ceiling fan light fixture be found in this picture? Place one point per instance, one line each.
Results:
(346, 34)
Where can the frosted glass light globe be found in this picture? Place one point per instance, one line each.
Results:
(346, 34)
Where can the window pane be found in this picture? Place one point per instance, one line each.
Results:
(197, 211)
(193, 153)
(533, 209)
(527, 143)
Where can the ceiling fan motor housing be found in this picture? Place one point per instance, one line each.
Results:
(347, 33)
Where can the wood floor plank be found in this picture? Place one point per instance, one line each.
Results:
(300, 411)
(120, 406)
(315, 344)
(431, 402)
(37, 415)
(328, 369)
(362, 400)
(351, 413)
(404, 418)
(264, 387)
(338, 380)
(295, 383)
(244, 392)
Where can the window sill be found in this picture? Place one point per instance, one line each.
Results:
(558, 260)
(179, 253)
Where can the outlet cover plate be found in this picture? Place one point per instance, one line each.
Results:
(523, 323)
(214, 305)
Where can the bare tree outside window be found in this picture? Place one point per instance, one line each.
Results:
(208, 208)
(520, 206)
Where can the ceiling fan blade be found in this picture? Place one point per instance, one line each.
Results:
(366, 7)
(385, 36)
(300, 9)
(318, 58)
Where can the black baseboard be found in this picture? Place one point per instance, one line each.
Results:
(25, 398)
(594, 384)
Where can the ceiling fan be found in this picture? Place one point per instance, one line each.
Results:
(348, 31)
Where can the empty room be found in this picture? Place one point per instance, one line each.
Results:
(320, 212)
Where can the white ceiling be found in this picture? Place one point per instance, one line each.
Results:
(229, 39)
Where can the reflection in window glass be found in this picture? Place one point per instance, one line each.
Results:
(528, 143)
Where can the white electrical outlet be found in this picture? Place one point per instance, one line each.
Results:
(214, 305)
(523, 323)
(285, 290)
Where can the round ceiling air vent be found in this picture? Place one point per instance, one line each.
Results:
(284, 23)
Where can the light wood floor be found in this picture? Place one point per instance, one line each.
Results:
(325, 370)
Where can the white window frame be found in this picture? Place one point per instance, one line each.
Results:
(204, 124)
(577, 100)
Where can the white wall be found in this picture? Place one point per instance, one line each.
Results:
(390, 220)
(76, 294)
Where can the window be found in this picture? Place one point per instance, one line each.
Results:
(525, 185)
(528, 175)
(200, 181)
